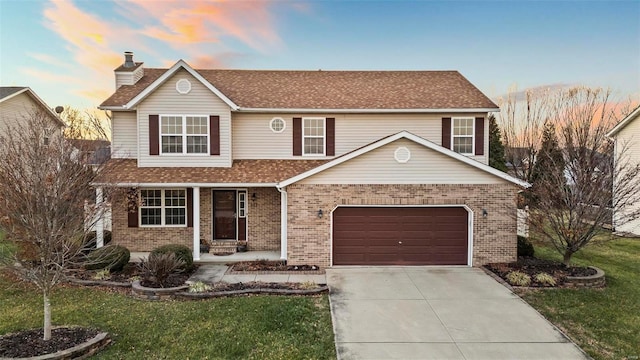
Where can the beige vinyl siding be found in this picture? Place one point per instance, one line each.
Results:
(253, 139)
(165, 100)
(425, 166)
(16, 112)
(628, 150)
(129, 77)
(124, 138)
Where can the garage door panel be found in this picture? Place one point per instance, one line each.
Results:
(400, 236)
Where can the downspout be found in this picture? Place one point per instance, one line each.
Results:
(283, 222)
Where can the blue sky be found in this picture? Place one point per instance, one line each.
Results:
(67, 50)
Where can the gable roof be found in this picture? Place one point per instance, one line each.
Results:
(8, 92)
(621, 125)
(406, 135)
(293, 90)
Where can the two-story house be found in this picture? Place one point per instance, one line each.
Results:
(328, 167)
(19, 105)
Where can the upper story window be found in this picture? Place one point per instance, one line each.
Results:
(462, 135)
(313, 136)
(163, 207)
(184, 134)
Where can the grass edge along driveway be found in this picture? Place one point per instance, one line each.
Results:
(251, 327)
(603, 322)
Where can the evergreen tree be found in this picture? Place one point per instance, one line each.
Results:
(496, 148)
(548, 171)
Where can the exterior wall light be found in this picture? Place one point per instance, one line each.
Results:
(484, 213)
(320, 214)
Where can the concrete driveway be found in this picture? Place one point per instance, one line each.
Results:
(436, 313)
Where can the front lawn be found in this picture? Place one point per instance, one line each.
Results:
(255, 327)
(603, 322)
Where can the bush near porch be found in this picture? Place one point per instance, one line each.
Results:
(255, 327)
(603, 322)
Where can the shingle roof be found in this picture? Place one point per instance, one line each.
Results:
(126, 171)
(9, 90)
(285, 89)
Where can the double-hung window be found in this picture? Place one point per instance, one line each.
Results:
(184, 134)
(163, 207)
(462, 135)
(313, 136)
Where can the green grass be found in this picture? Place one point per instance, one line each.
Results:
(256, 327)
(603, 322)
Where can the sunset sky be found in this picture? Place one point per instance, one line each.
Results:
(66, 50)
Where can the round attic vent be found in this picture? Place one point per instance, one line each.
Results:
(277, 125)
(402, 154)
(183, 86)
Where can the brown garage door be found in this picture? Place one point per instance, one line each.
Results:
(400, 236)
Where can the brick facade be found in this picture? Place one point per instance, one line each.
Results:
(263, 222)
(309, 237)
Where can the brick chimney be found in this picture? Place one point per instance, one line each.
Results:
(129, 72)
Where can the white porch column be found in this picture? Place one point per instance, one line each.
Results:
(196, 223)
(99, 217)
(283, 223)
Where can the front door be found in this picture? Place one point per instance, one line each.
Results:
(224, 215)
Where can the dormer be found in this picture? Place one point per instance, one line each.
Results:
(129, 72)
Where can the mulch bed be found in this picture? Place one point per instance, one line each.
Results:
(269, 265)
(174, 280)
(29, 343)
(532, 266)
(129, 272)
(222, 286)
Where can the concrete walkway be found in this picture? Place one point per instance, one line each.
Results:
(210, 273)
(436, 313)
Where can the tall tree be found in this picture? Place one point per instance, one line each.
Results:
(549, 168)
(42, 207)
(496, 148)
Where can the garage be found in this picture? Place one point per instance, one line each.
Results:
(400, 236)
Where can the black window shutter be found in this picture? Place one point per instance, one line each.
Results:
(297, 136)
(214, 134)
(189, 207)
(331, 136)
(132, 208)
(479, 136)
(154, 135)
(446, 132)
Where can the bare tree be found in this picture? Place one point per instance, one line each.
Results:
(42, 204)
(86, 125)
(573, 205)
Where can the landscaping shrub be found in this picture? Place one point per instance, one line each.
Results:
(199, 287)
(110, 257)
(525, 248)
(518, 278)
(545, 279)
(157, 268)
(181, 252)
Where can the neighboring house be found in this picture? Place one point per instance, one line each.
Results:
(327, 167)
(18, 104)
(627, 148)
(92, 152)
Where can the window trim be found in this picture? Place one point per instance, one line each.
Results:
(472, 136)
(324, 136)
(162, 209)
(284, 125)
(184, 135)
(242, 203)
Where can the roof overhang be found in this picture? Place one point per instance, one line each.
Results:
(616, 129)
(181, 64)
(174, 185)
(366, 111)
(412, 137)
(39, 100)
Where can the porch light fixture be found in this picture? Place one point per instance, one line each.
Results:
(484, 213)
(320, 214)
(253, 196)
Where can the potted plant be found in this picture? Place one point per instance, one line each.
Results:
(204, 246)
(242, 246)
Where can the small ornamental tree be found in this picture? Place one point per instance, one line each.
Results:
(496, 148)
(42, 204)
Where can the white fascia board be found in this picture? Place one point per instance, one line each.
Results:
(367, 111)
(219, 185)
(114, 108)
(159, 81)
(412, 137)
(634, 114)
